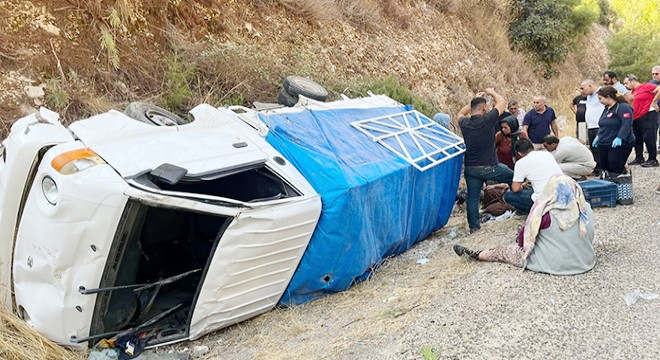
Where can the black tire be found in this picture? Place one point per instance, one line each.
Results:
(296, 85)
(286, 99)
(153, 115)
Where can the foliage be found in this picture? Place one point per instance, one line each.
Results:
(547, 28)
(634, 46)
(179, 76)
(57, 97)
(392, 87)
(606, 13)
(429, 353)
(633, 53)
(108, 44)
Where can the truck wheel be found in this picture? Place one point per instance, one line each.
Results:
(152, 114)
(296, 85)
(286, 99)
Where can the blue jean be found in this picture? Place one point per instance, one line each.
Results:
(521, 200)
(475, 176)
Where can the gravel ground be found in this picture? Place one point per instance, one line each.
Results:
(454, 308)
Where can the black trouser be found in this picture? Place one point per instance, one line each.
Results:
(591, 135)
(614, 159)
(645, 130)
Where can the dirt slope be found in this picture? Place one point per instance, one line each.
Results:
(80, 58)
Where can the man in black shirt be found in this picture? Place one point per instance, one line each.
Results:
(480, 159)
(579, 108)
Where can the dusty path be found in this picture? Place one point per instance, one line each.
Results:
(459, 309)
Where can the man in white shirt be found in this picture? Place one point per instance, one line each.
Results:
(574, 158)
(591, 116)
(535, 166)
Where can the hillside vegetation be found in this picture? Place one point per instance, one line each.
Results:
(81, 57)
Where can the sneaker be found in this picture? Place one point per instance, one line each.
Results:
(462, 250)
(474, 230)
(650, 163)
(636, 162)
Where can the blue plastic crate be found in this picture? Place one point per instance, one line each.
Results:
(599, 192)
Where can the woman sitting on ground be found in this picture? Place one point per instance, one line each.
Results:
(505, 140)
(557, 236)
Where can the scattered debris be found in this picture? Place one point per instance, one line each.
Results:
(422, 261)
(453, 232)
(390, 299)
(636, 295)
(508, 214)
(200, 350)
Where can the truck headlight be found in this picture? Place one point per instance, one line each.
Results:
(74, 161)
(49, 188)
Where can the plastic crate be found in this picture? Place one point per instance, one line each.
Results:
(599, 192)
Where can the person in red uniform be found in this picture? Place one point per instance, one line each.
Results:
(645, 120)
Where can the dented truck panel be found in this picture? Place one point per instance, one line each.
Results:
(20, 157)
(64, 246)
(261, 249)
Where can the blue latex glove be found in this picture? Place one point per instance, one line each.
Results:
(616, 142)
(595, 143)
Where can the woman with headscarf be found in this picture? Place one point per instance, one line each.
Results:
(505, 140)
(557, 236)
(615, 137)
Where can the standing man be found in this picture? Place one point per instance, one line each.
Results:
(655, 80)
(592, 115)
(538, 121)
(609, 78)
(516, 111)
(480, 160)
(573, 157)
(645, 120)
(535, 166)
(579, 107)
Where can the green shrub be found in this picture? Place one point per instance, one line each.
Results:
(547, 28)
(633, 47)
(177, 91)
(429, 353)
(392, 87)
(606, 13)
(633, 53)
(56, 97)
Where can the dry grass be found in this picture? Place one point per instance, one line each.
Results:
(446, 6)
(362, 13)
(312, 10)
(18, 341)
(388, 303)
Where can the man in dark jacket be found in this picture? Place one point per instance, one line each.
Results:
(481, 163)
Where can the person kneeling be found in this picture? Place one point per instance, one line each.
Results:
(573, 157)
(557, 237)
(535, 166)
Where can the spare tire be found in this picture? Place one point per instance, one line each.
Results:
(153, 115)
(286, 99)
(296, 85)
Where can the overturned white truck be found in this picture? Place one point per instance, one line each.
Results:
(138, 222)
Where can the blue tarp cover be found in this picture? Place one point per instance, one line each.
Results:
(375, 205)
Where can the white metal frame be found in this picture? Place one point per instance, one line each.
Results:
(411, 123)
